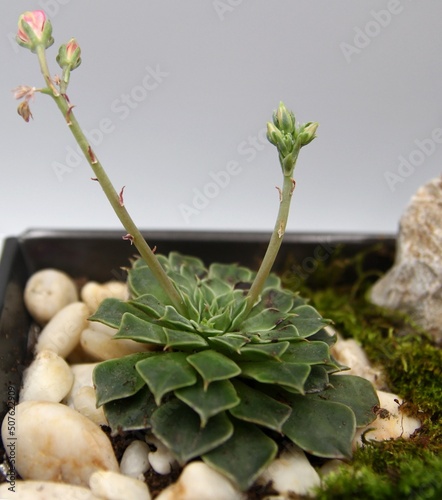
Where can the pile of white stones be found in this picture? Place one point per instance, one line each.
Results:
(61, 450)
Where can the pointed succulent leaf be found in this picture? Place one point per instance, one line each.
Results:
(288, 332)
(318, 380)
(150, 305)
(321, 428)
(179, 428)
(132, 413)
(118, 378)
(244, 456)
(187, 266)
(266, 320)
(141, 281)
(110, 312)
(307, 320)
(138, 329)
(356, 393)
(212, 365)
(262, 352)
(259, 408)
(173, 319)
(166, 372)
(292, 376)
(184, 340)
(230, 273)
(272, 281)
(304, 351)
(324, 336)
(213, 287)
(207, 402)
(230, 343)
(274, 298)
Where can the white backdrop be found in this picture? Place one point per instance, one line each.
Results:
(175, 96)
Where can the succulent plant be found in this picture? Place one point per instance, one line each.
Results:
(238, 364)
(223, 385)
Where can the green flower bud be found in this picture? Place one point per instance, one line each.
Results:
(308, 133)
(69, 55)
(34, 30)
(273, 134)
(284, 119)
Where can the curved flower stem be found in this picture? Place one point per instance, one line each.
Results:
(114, 198)
(274, 243)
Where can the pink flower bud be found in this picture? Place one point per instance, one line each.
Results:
(69, 55)
(34, 29)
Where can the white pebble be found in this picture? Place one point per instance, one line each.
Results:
(45, 490)
(162, 459)
(62, 333)
(55, 443)
(391, 421)
(350, 353)
(93, 294)
(291, 473)
(198, 481)
(113, 486)
(48, 378)
(101, 346)
(47, 292)
(135, 459)
(85, 402)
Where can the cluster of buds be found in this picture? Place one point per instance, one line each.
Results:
(289, 137)
(35, 33)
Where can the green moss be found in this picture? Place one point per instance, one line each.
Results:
(406, 469)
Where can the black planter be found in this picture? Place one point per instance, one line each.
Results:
(100, 256)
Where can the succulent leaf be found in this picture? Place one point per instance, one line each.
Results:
(244, 456)
(210, 401)
(166, 372)
(179, 428)
(212, 365)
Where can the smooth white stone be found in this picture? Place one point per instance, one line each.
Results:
(48, 378)
(93, 293)
(198, 481)
(85, 402)
(56, 443)
(82, 396)
(291, 473)
(101, 346)
(162, 459)
(113, 486)
(47, 292)
(390, 424)
(135, 459)
(45, 490)
(350, 353)
(62, 333)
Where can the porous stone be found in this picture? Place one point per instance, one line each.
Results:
(199, 481)
(113, 486)
(414, 284)
(48, 378)
(47, 292)
(62, 333)
(45, 490)
(55, 443)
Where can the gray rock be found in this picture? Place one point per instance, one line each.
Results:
(414, 284)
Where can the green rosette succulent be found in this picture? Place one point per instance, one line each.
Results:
(224, 384)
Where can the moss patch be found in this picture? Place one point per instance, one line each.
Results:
(413, 369)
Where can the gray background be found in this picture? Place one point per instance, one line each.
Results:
(368, 71)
